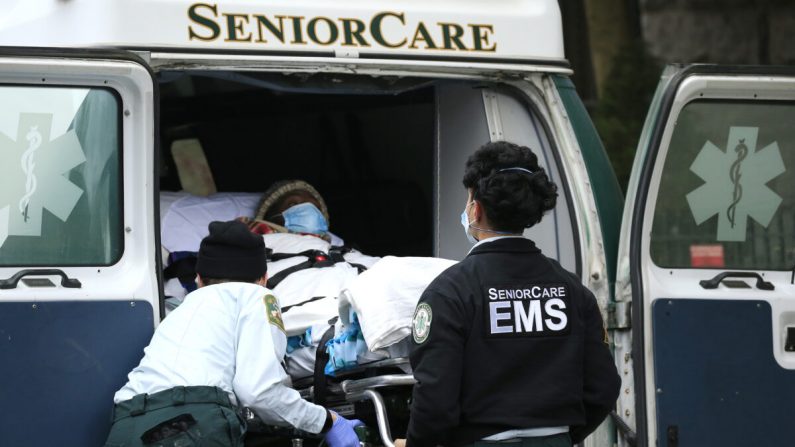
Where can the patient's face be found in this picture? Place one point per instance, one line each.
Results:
(292, 199)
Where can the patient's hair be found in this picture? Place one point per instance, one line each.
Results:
(512, 200)
(214, 281)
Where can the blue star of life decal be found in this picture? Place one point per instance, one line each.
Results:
(736, 183)
(33, 176)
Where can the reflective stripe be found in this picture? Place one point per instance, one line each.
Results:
(527, 433)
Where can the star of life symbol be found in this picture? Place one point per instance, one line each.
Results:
(32, 176)
(736, 183)
(421, 323)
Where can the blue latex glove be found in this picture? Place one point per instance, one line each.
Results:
(342, 433)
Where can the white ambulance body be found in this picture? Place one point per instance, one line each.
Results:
(379, 104)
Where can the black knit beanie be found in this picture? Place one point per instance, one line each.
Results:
(231, 251)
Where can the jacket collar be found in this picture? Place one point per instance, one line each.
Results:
(506, 245)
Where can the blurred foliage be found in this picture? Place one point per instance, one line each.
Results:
(623, 105)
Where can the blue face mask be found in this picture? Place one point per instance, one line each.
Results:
(465, 224)
(305, 218)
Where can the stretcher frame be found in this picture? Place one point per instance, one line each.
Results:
(358, 390)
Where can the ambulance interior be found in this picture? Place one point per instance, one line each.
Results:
(366, 146)
(387, 155)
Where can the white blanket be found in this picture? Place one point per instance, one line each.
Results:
(384, 297)
(185, 218)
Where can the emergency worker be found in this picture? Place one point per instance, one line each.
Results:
(220, 349)
(507, 345)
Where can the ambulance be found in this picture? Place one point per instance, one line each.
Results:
(378, 104)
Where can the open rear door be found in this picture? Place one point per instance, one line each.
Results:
(708, 250)
(79, 293)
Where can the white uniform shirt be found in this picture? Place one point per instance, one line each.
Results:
(226, 336)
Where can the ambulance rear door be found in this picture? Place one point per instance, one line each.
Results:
(706, 259)
(79, 292)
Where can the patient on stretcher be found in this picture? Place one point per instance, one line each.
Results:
(292, 206)
(289, 208)
(320, 283)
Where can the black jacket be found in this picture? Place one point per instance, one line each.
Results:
(508, 339)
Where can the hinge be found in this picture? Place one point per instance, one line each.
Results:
(619, 315)
(493, 118)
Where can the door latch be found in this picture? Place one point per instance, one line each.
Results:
(789, 343)
(673, 436)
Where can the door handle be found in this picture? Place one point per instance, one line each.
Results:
(12, 282)
(789, 342)
(713, 283)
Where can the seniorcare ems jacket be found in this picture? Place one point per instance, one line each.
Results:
(504, 340)
(230, 336)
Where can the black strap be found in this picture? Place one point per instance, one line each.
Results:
(315, 259)
(273, 257)
(321, 358)
(310, 300)
(183, 269)
(335, 252)
(274, 280)
(338, 253)
(358, 267)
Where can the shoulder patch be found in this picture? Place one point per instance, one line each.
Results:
(274, 312)
(421, 324)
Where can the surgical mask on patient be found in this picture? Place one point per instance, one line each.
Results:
(305, 218)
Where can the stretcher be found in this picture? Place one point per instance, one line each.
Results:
(377, 393)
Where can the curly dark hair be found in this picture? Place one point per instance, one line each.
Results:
(512, 200)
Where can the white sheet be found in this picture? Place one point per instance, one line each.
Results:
(184, 217)
(384, 297)
(301, 362)
(298, 319)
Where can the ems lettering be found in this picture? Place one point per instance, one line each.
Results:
(558, 319)
(529, 310)
(385, 29)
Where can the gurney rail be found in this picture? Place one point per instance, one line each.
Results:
(363, 389)
(352, 386)
(380, 413)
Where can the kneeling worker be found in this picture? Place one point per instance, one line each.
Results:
(221, 348)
